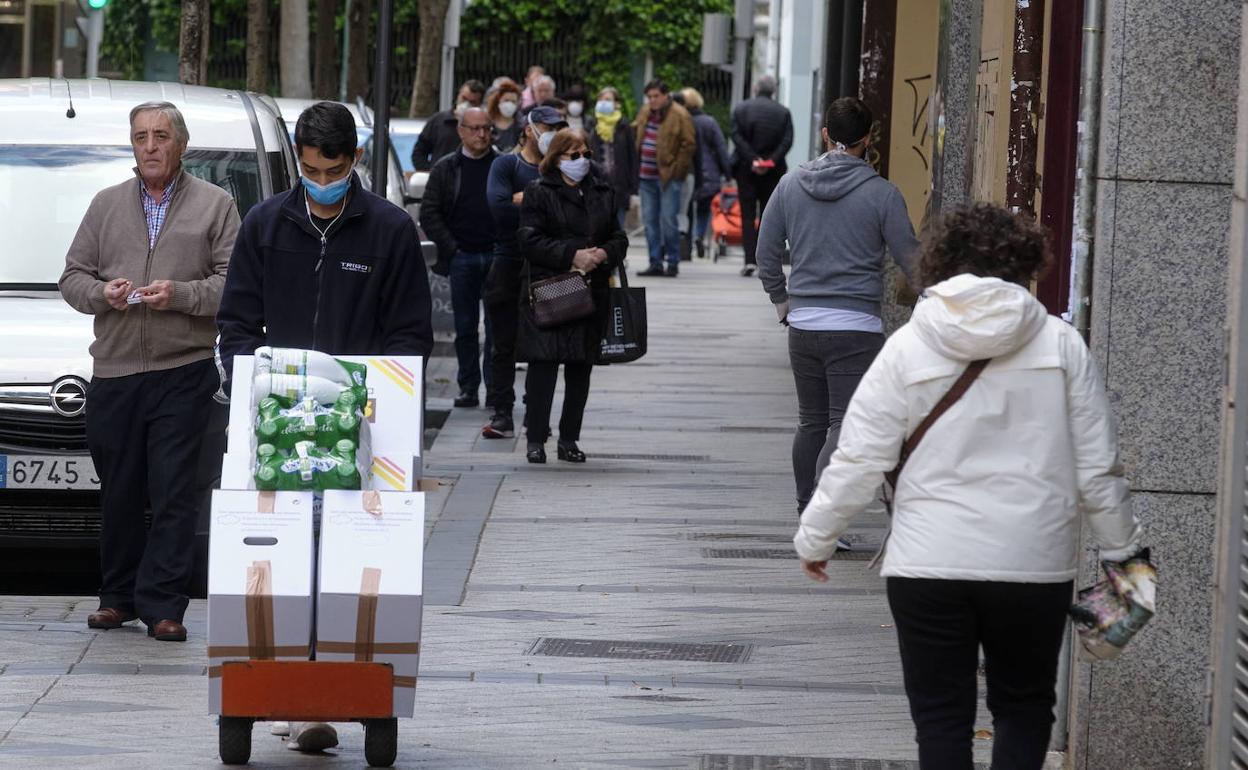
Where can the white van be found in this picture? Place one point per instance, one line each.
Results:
(62, 141)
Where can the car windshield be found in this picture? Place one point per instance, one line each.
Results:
(403, 145)
(44, 192)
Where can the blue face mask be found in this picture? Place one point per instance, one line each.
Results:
(328, 194)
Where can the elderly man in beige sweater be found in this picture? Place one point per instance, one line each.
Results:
(149, 263)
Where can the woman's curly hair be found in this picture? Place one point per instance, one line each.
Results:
(984, 240)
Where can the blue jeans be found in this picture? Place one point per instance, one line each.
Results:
(702, 217)
(468, 272)
(660, 205)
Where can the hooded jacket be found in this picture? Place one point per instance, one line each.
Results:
(836, 215)
(995, 489)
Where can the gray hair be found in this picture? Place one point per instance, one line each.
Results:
(765, 86)
(168, 110)
(544, 79)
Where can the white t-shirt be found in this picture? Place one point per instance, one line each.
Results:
(828, 319)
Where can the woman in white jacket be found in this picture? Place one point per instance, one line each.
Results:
(985, 531)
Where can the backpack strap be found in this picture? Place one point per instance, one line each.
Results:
(956, 391)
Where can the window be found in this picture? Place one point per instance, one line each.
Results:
(44, 192)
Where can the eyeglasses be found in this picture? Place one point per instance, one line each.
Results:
(586, 154)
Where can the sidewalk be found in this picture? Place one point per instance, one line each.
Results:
(644, 610)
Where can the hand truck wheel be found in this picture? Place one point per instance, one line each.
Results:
(234, 740)
(381, 742)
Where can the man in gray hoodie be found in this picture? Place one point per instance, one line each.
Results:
(837, 215)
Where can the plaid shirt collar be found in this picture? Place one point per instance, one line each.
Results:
(154, 212)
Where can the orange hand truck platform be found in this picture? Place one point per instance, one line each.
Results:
(308, 691)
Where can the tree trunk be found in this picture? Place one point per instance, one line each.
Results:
(326, 50)
(193, 43)
(429, 57)
(258, 46)
(296, 64)
(357, 67)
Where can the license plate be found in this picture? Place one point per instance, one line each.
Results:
(47, 472)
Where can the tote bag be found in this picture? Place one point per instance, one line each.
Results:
(624, 332)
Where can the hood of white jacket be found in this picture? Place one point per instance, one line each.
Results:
(968, 318)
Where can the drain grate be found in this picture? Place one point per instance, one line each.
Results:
(740, 762)
(766, 538)
(780, 553)
(745, 762)
(671, 458)
(623, 649)
(658, 698)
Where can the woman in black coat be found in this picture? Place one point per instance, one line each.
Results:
(567, 222)
(615, 148)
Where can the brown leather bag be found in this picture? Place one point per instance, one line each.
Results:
(560, 300)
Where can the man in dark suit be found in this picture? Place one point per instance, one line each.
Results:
(762, 133)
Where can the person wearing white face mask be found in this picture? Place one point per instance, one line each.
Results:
(509, 176)
(567, 222)
(575, 99)
(615, 148)
(502, 105)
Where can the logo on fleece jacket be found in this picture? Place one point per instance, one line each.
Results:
(356, 267)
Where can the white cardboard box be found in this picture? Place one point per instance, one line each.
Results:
(260, 564)
(395, 414)
(369, 601)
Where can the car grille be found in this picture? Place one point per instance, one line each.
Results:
(43, 431)
(69, 514)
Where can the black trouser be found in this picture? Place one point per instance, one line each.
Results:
(827, 367)
(502, 308)
(539, 394)
(145, 432)
(941, 624)
(754, 191)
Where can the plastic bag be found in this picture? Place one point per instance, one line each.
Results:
(308, 467)
(296, 374)
(1110, 613)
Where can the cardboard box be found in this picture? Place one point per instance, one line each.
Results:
(395, 415)
(260, 565)
(369, 600)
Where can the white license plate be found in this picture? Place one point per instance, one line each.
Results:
(47, 472)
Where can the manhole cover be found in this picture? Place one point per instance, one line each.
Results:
(613, 648)
(673, 458)
(740, 762)
(781, 553)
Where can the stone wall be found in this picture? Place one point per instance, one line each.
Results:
(1170, 85)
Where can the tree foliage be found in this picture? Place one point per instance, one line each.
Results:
(612, 33)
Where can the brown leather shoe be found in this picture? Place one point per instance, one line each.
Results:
(168, 631)
(108, 617)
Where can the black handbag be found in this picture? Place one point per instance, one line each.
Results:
(556, 301)
(625, 330)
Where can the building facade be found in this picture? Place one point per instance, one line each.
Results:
(980, 100)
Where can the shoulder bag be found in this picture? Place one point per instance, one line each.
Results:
(560, 300)
(955, 393)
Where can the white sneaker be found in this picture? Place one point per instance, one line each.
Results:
(312, 737)
(280, 728)
(843, 545)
